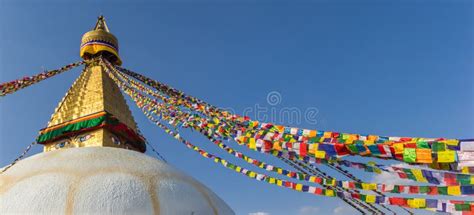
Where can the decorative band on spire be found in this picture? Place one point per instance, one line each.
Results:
(100, 40)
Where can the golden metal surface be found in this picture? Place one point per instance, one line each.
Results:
(99, 35)
(93, 91)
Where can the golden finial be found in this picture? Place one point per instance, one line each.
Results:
(101, 25)
(100, 41)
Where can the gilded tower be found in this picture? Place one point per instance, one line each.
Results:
(93, 112)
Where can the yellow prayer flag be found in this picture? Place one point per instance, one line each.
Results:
(465, 170)
(312, 148)
(237, 169)
(353, 137)
(419, 175)
(272, 181)
(327, 134)
(369, 142)
(417, 203)
(447, 156)
(398, 147)
(280, 128)
(320, 154)
(370, 198)
(299, 187)
(312, 178)
(369, 186)
(279, 182)
(372, 137)
(280, 170)
(312, 133)
(329, 193)
(252, 144)
(373, 186)
(252, 174)
(277, 146)
(454, 190)
(451, 142)
(365, 186)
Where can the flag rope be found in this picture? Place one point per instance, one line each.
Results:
(13, 86)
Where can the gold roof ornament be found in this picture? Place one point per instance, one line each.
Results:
(100, 41)
(94, 111)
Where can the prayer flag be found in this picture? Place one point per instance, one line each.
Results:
(447, 156)
(409, 155)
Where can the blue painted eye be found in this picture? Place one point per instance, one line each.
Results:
(61, 144)
(85, 137)
(116, 141)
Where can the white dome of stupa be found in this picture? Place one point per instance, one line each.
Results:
(103, 180)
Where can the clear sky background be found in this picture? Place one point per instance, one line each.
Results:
(399, 68)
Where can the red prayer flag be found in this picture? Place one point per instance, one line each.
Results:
(402, 175)
(341, 149)
(414, 189)
(352, 185)
(397, 201)
(433, 190)
(450, 179)
(303, 149)
(318, 191)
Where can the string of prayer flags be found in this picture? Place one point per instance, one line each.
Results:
(13, 86)
(418, 152)
(300, 148)
(279, 170)
(427, 174)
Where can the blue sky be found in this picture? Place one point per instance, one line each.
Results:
(399, 68)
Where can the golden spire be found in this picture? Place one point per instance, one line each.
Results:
(94, 111)
(99, 41)
(101, 25)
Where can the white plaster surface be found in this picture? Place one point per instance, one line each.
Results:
(103, 180)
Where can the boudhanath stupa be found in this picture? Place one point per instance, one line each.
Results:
(93, 160)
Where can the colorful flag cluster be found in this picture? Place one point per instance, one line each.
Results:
(421, 203)
(180, 110)
(438, 153)
(13, 86)
(196, 121)
(428, 176)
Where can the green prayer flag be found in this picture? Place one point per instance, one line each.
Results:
(464, 179)
(424, 189)
(438, 146)
(352, 148)
(409, 155)
(462, 207)
(422, 145)
(396, 189)
(409, 174)
(443, 190)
